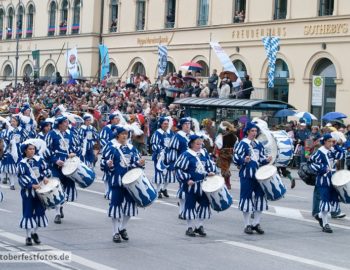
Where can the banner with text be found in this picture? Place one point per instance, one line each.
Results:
(317, 90)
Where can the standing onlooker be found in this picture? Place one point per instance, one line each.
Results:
(213, 82)
(247, 88)
(225, 89)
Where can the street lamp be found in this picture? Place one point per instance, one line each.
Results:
(17, 42)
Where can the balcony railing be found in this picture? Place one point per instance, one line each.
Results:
(169, 24)
(140, 26)
(29, 32)
(280, 15)
(63, 30)
(0, 35)
(9, 34)
(51, 31)
(75, 28)
(202, 22)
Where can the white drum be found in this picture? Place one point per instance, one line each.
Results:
(270, 182)
(284, 150)
(219, 197)
(79, 172)
(269, 143)
(341, 182)
(139, 187)
(51, 194)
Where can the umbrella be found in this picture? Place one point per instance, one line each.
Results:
(305, 115)
(191, 66)
(228, 74)
(189, 78)
(285, 113)
(333, 116)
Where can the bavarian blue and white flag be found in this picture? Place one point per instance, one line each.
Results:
(271, 47)
(162, 59)
(104, 60)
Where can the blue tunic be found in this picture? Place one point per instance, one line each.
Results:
(32, 171)
(106, 135)
(248, 182)
(194, 166)
(88, 137)
(323, 161)
(29, 127)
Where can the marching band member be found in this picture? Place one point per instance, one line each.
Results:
(88, 137)
(225, 143)
(13, 137)
(160, 142)
(62, 145)
(27, 120)
(31, 171)
(106, 135)
(178, 145)
(249, 156)
(323, 161)
(119, 157)
(45, 127)
(191, 168)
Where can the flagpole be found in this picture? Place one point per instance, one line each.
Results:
(59, 56)
(209, 53)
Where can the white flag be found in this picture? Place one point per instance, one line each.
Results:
(72, 62)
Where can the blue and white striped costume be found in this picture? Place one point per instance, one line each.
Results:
(42, 136)
(32, 171)
(249, 184)
(59, 146)
(29, 127)
(121, 201)
(88, 137)
(323, 162)
(160, 142)
(187, 168)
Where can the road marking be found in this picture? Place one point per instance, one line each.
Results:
(4, 210)
(5, 187)
(91, 191)
(283, 255)
(170, 204)
(75, 258)
(288, 212)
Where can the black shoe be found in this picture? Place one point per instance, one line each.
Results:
(200, 231)
(339, 215)
(319, 220)
(292, 183)
(12, 187)
(165, 193)
(124, 234)
(160, 195)
(180, 217)
(116, 238)
(61, 212)
(258, 229)
(190, 232)
(248, 229)
(57, 219)
(4, 181)
(327, 229)
(35, 238)
(29, 241)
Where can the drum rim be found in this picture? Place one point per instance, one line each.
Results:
(264, 168)
(219, 185)
(343, 174)
(43, 191)
(125, 182)
(65, 168)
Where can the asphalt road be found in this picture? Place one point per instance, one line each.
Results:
(292, 239)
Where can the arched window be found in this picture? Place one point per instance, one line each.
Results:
(239, 11)
(113, 70)
(280, 9)
(280, 90)
(19, 22)
(203, 12)
(1, 22)
(8, 72)
(141, 14)
(64, 17)
(9, 23)
(52, 18)
(170, 13)
(76, 17)
(205, 71)
(50, 70)
(241, 68)
(326, 7)
(114, 16)
(170, 68)
(28, 70)
(30, 21)
(139, 68)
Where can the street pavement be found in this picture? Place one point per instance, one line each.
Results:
(292, 239)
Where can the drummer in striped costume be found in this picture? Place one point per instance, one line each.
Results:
(119, 157)
(249, 155)
(27, 120)
(13, 137)
(160, 142)
(45, 127)
(191, 169)
(178, 145)
(323, 161)
(88, 137)
(106, 135)
(31, 171)
(62, 145)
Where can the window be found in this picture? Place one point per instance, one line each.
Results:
(241, 68)
(280, 9)
(205, 71)
(19, 21)
(64, 18)
(28, 70)
(326, 8)
(76, 17)
(138, 68)
(203, 12)
(170, 68)
(50, 70)
(30, 21)
(114, 16)
(170, 14)
(141, 14)
(9, 23)
(52, 19)
(113, 70)
(8, 72)
(1, 22)
(239, 11)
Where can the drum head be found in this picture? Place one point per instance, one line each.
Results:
(265, 172)
(70, 165)
(340, 178)
(53, 182)
(213, 183)
(132, 176)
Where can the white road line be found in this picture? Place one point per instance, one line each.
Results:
(288, 212)
(4, 210)
(80, 260)
(91, 191)
(286, 256)
(161, 202)
(5, 187)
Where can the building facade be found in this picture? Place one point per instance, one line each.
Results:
(314, 38)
